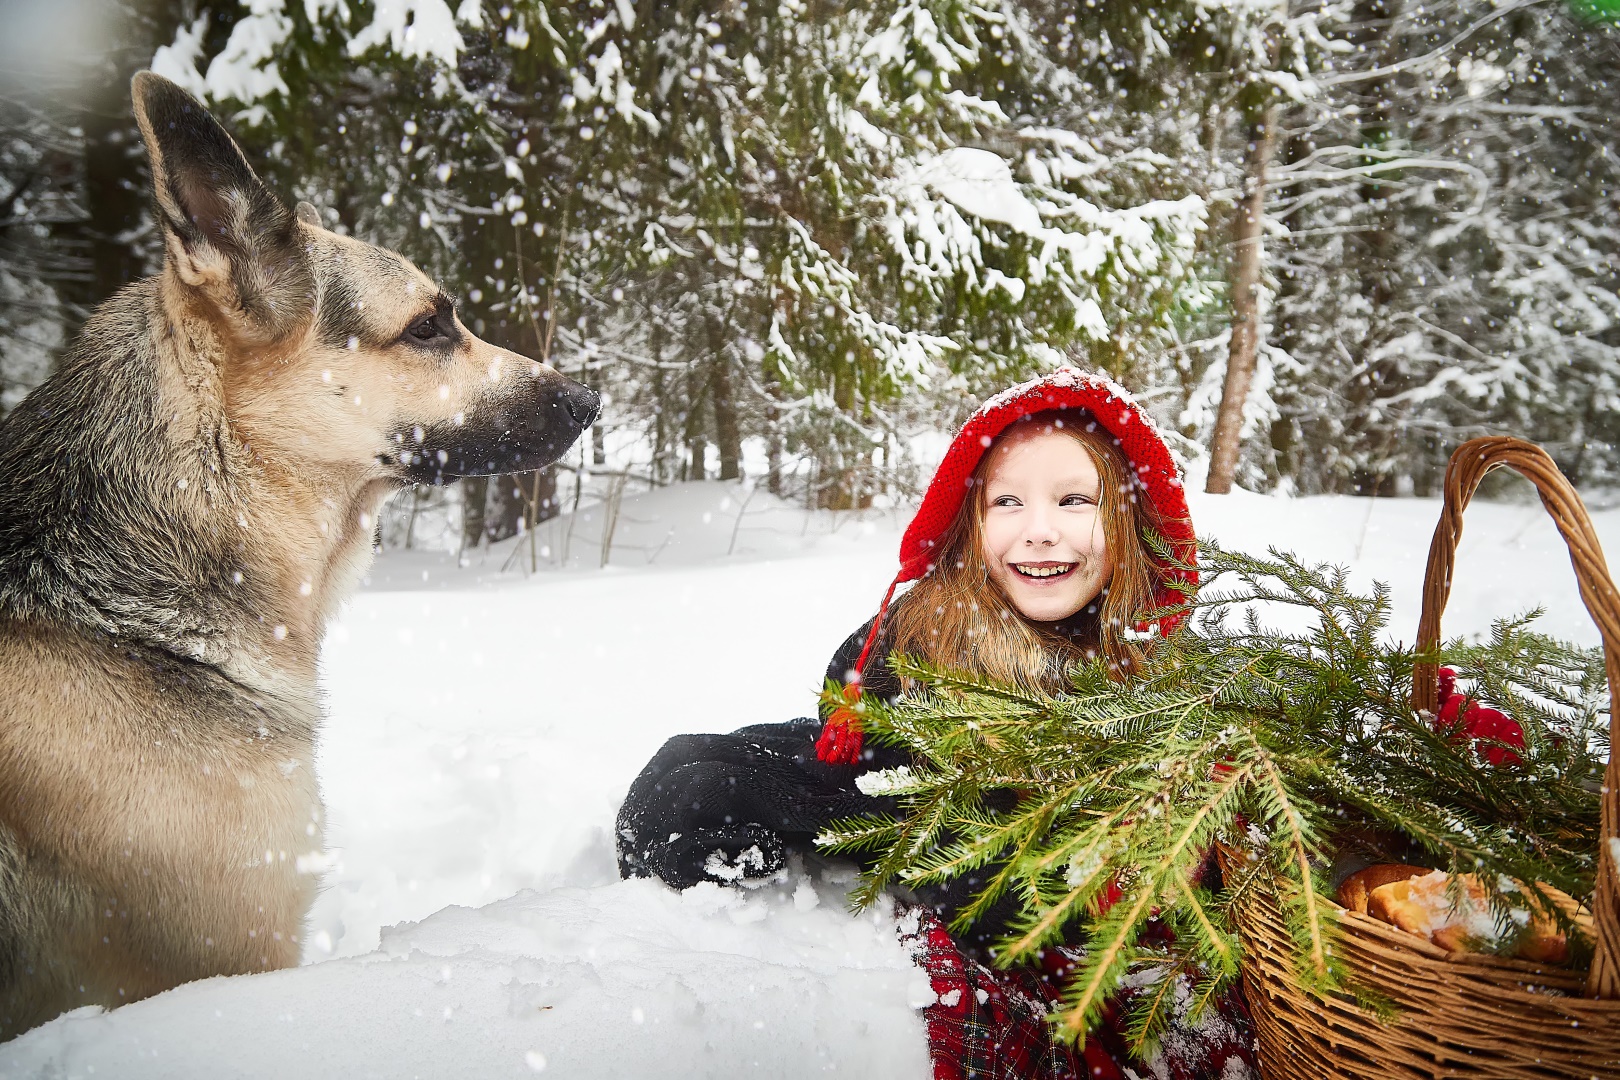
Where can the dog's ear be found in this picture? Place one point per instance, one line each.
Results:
(226, 234)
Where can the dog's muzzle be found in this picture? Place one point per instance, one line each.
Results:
(526, 429)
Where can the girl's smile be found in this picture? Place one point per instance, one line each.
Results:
(1042, 537)
(1044, 571)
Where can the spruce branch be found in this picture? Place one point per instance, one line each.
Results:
(1152, 1015)
(1281, 747)
(1107, 955)
(1287, 812)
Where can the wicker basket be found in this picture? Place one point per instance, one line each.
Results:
(1459, 1015)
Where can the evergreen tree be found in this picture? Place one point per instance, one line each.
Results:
(805, 231)
(799, 223)
(1449, 268)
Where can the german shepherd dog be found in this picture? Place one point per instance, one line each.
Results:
(183, 506)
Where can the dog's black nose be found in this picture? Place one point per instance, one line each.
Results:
(583, 404)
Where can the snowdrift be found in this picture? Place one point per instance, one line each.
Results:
(485, 725)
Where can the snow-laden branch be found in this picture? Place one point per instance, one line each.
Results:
(1428, 57)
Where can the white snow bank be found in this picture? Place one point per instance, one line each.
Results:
(630, 980)
(482, 737)
(485, 726)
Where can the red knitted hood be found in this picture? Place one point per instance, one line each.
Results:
(1066, 388)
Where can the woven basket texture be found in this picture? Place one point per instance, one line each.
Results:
(1457, 1015)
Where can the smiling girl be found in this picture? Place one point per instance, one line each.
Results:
(1031, 552)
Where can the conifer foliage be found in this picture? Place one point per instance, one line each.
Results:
(784, 238)
(1287, 747)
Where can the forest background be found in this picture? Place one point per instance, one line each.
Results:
(1324, 241)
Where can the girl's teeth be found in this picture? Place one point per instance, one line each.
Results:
(1043, 571)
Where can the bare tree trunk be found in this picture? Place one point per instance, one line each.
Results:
(839, 473)
(474, 494)
(482, 246)
(540, 491)
(114, 200)
(695, 467)
(724, 402)
(410, 522)
(773, 431)
(660, 432)
(115, 188)
(507, 504)
(598, 430)
(1247, 233)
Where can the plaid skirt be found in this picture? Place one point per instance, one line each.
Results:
(988, 1024)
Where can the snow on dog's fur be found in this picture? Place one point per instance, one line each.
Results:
(183, 506)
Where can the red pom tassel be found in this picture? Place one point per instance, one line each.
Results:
(840, 742)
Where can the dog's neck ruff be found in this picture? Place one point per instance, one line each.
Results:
(126, 517)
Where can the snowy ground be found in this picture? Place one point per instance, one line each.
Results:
(484, 727)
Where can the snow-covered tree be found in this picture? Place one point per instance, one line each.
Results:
(786, 223)
(73, 194)
(1449, 265)
(795, 233)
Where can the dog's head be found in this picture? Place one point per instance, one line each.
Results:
(335, 353)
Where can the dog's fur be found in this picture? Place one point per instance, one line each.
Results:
(183, 506)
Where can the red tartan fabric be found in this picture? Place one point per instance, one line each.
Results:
(987, 1024)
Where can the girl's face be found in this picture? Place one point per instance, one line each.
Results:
(1042, 538)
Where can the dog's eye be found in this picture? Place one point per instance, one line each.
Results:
(426, 328)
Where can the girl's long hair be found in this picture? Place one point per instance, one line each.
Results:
(956, 616)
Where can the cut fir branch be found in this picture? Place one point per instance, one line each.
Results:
(1279, 746)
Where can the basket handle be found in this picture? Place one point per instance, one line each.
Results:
(1468, 466)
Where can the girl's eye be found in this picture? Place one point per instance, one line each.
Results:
(1077, 500)
(1005, 500)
